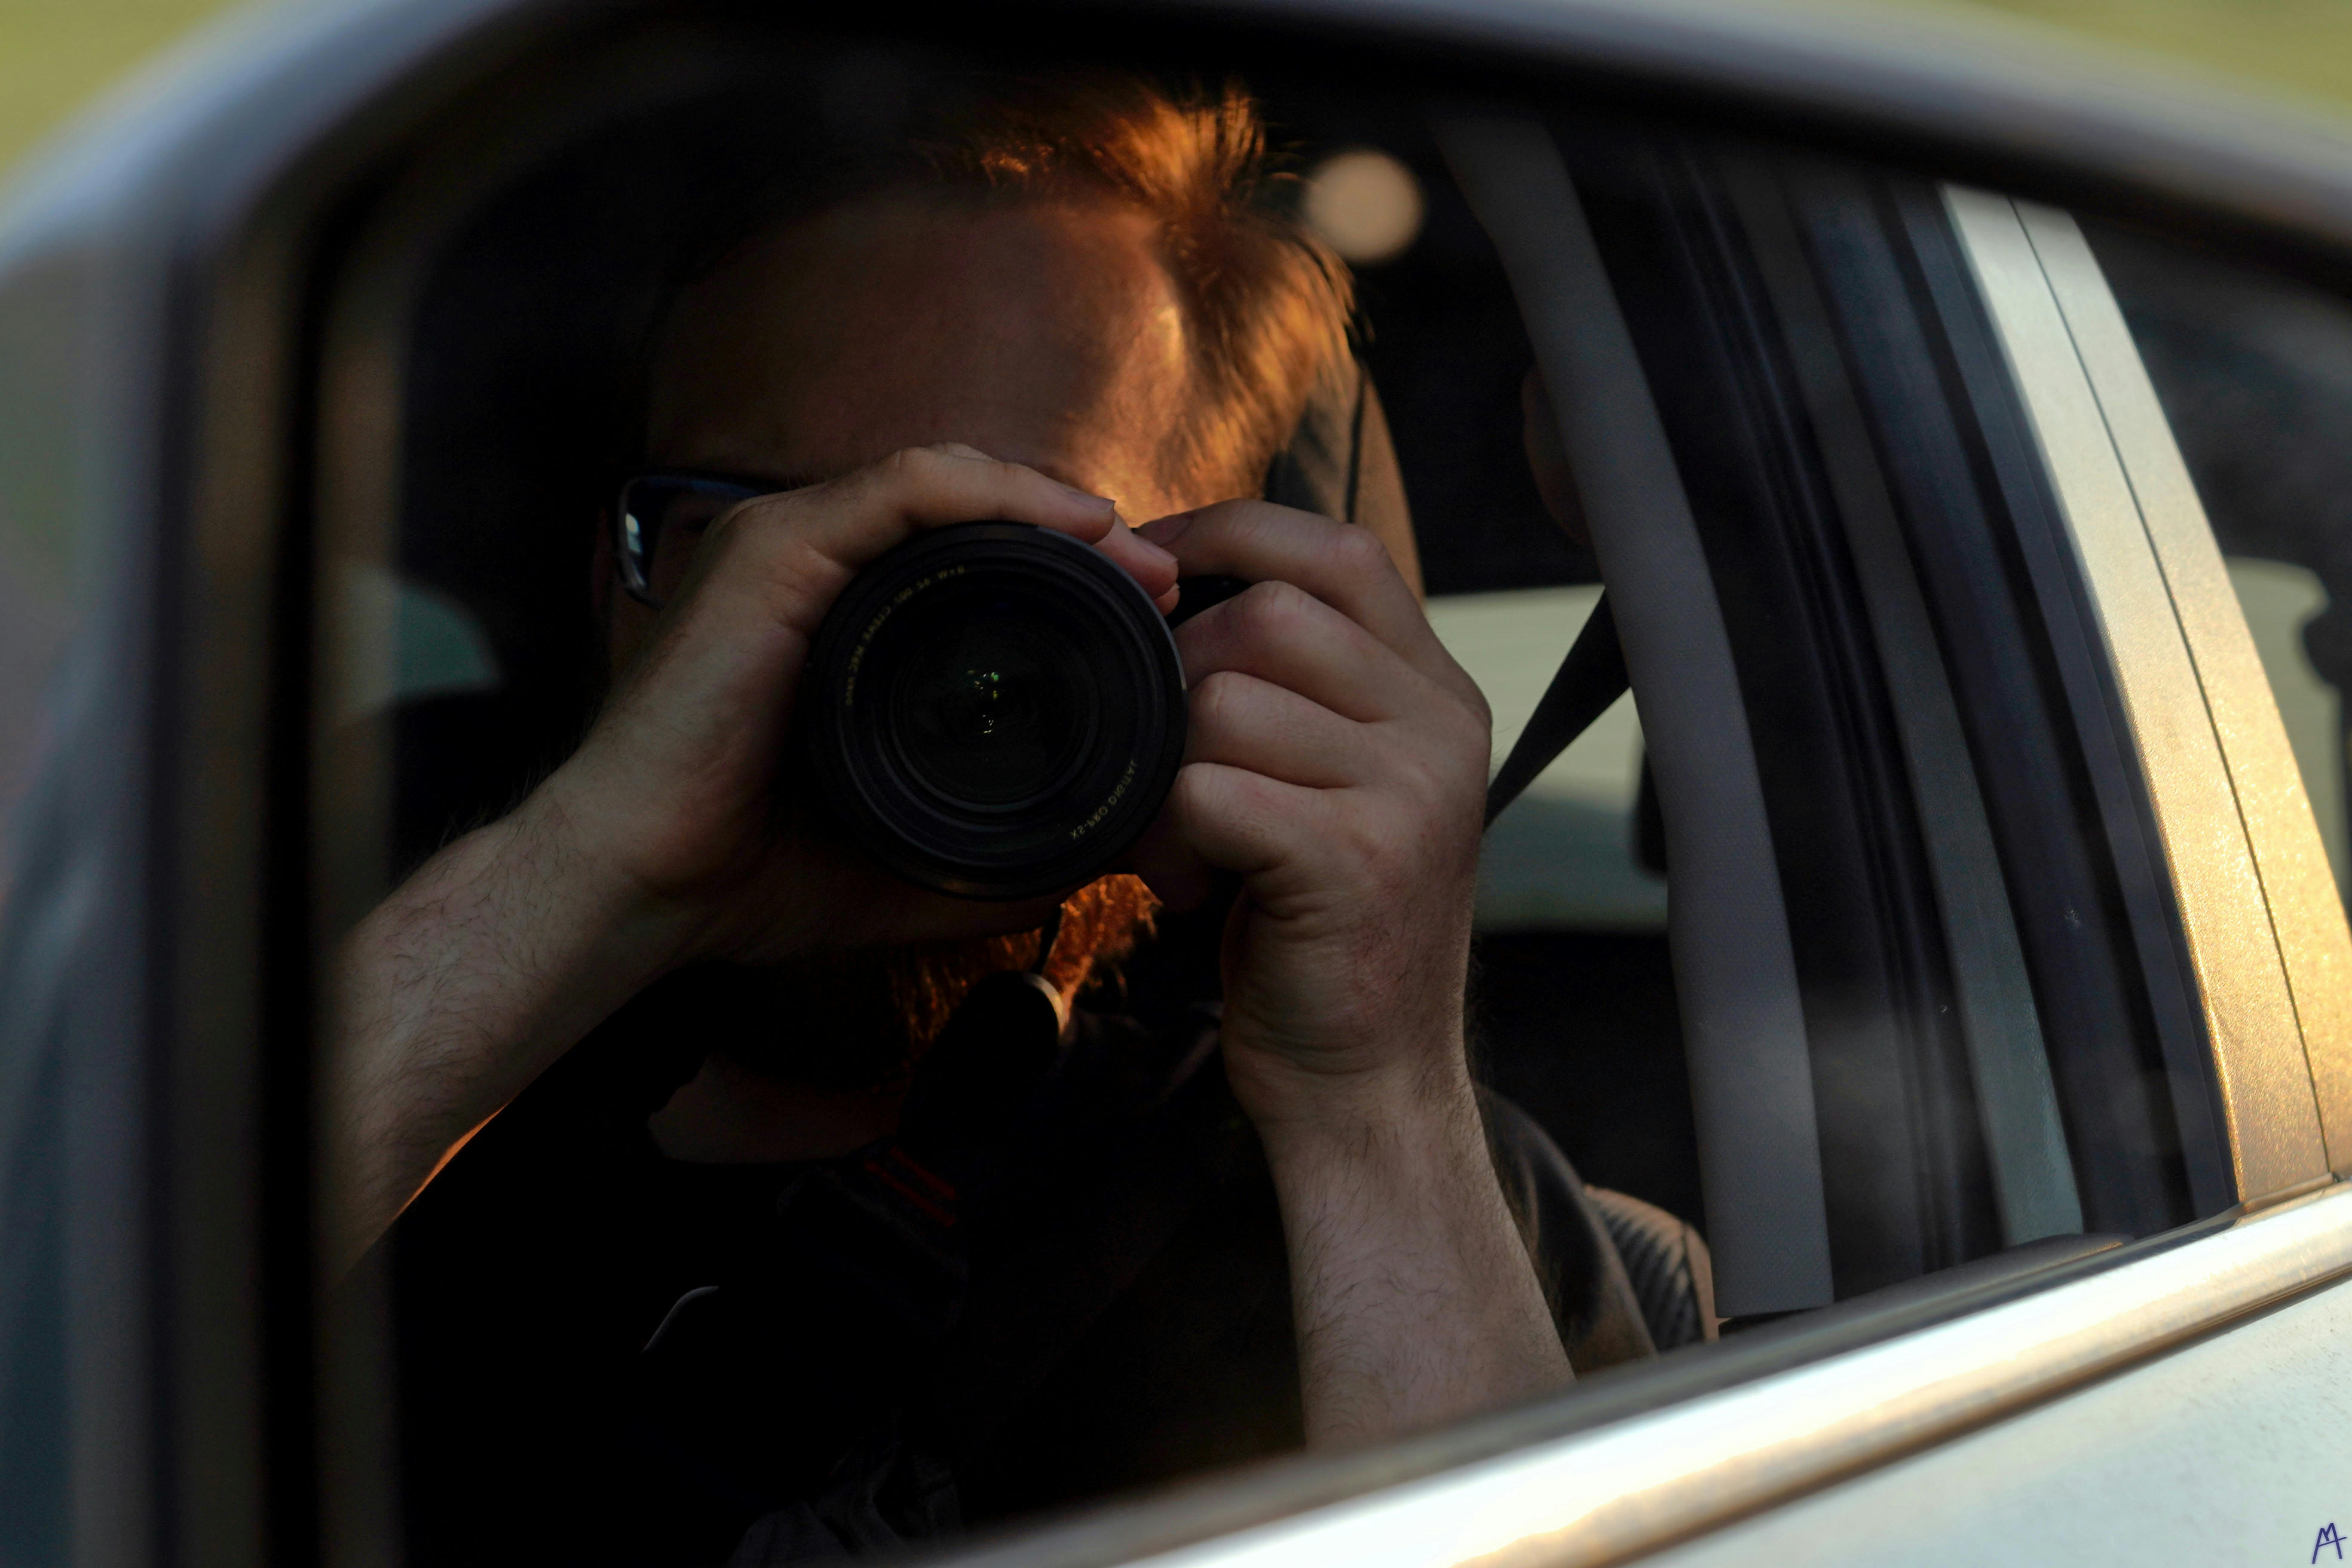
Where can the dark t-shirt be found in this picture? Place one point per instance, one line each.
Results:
(611, 1357)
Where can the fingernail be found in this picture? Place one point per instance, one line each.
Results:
(1167, 530)
(1100, 503)
(1149, 550)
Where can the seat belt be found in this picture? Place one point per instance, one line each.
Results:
(1589, 679)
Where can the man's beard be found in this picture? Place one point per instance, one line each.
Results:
(861, 1020)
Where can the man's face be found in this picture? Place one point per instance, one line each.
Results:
(1045, 333)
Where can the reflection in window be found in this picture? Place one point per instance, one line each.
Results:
(2281, 600)
(1566, 855)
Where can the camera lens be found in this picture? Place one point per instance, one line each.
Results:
(994, 709)
(996, 703)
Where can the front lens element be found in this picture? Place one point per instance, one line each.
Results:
(991, 706)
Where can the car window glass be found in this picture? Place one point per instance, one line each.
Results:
(39, 577)
(47, 560)
(2280, 601)
(1914, 1032)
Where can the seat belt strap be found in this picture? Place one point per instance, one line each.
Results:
(1590, 678)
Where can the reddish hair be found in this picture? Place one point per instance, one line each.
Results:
(1268, 302)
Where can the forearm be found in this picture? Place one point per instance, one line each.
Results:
(1415, 1297)
(461, 988)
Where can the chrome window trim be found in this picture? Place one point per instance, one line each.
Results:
(1637, 1485)
(2265, 935)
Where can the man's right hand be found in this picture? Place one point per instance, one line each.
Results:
(670, 835)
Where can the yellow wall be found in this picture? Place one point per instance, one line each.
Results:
(55, 54)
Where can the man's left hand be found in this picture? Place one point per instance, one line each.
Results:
(1337, 762)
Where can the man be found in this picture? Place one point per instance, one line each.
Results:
(631, 1331)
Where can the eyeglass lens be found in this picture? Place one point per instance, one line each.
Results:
(662, 522)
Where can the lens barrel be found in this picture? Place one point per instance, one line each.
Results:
(994, 710)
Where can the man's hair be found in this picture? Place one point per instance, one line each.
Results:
(1268, 303)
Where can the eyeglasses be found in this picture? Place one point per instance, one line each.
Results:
(668, 510)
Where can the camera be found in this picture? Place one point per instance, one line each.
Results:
(996, 711)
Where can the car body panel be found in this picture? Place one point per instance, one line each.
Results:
(2229, 1449)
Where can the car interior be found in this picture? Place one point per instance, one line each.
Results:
(1970, 1045)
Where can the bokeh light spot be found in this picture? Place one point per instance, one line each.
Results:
(1366, 205)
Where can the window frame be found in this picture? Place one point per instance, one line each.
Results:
(2259, 911)
(181, 923)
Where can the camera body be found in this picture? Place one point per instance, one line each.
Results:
(996, 711)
